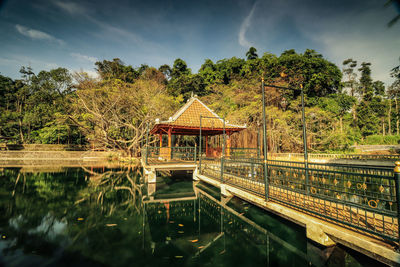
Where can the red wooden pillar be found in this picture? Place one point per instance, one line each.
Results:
(228, 145)
(169, 143)
(206, 145)
(160, 135)
(169, 137)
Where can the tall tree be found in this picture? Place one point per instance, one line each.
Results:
(365, 84)
(348, 71)
(116, 69)
(367, 117)
(251, 54)
(166, 70)
(394, 94)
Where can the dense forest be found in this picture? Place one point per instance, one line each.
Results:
(344, 105)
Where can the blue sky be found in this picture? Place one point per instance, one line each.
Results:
(47, 34)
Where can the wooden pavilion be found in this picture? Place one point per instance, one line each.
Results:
(186, 121)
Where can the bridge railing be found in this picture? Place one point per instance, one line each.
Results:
(211, 167)
(321, 156)
(243, 153)
(170, 154)
(361, 197)
(366, 201)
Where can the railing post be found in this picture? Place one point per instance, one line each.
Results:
(265, 141)
(200, 147)
(397, 185)
(195, 153)
(147, 144)
(305, 141)
(223, 155)
(252, 169)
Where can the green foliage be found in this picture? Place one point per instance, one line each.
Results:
(49, 107)
(382, 140)
(116, 69)
(252, 53)
(318, 76)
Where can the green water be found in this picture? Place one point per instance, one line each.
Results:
(109, 217)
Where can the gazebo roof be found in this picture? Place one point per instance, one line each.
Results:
(186, 121)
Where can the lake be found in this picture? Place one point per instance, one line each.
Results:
(110, 217)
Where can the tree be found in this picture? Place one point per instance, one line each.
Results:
(351, 83)
(318, 76)
(394, 93)
(183, 82)
(348, 70)
(367, 116)
(179, 69)
(166, 70)
(365, 85)
(229, 69)
(337, 104)
(116, 69)
(251, 54)
(116, 113)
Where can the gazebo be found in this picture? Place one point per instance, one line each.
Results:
(186, 121)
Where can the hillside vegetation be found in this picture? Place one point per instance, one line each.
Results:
(344, 105)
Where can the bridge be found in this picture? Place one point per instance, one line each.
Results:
(354, 205)
(348, 199)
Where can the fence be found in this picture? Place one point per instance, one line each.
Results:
(170, 154)
(242, 153)
(361, 197)
(320, 156)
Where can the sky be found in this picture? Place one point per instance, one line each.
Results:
(47, 34)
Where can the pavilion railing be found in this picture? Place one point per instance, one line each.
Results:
(170, 154)
(361, 197)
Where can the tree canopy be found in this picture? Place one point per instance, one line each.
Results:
(343, 106)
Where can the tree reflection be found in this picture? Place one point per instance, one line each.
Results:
(74, 211)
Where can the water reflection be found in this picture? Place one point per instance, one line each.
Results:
(101, 216)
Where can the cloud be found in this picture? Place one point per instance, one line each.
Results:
(84, 57)
(18, 60)
(362, 36)
(124, 34)
(244, 27)
(92, 73)
(36, 34)
(117, 33)
(70, 7)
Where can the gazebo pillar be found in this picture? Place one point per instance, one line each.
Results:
(169, 151)
(169, 137)
(206, 145)
(160, 136)
(228, 145)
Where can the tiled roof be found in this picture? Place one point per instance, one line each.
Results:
(189, 116)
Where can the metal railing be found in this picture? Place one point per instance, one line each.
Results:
(243, 153)
(358, 196)
(170, 154)
(320, 156)
(361, 197)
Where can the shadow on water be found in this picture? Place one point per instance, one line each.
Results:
(110, 217)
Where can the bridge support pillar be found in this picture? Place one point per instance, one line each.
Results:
(225, 192)
(316, 234)
(150, 175)
(195, 172)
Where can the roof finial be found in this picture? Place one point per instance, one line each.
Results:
(192, 94)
